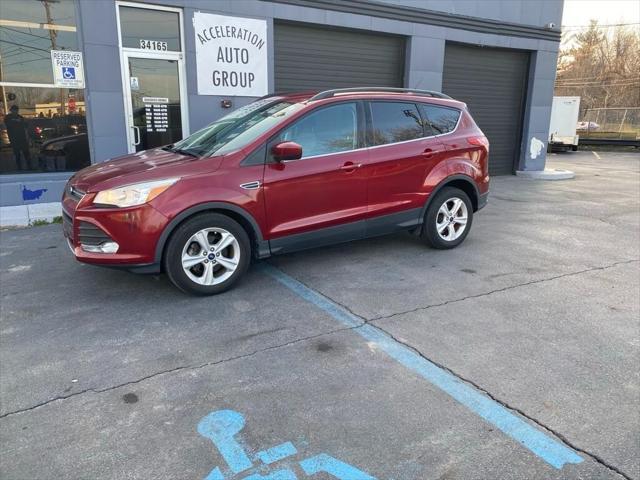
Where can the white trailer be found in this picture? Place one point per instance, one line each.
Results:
(564, 121)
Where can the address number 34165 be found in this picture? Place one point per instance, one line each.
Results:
(153, 45)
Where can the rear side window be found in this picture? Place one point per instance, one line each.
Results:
(328, 130)
(395, 122)
(439, 120)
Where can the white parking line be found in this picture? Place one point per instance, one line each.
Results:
(596, 154)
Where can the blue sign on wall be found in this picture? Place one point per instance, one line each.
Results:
(32, 194)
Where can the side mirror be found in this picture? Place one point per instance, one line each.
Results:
(286, 151)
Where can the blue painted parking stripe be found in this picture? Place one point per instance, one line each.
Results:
(541, 444)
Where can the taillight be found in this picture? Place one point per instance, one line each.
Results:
(38, 130)
(480, 141)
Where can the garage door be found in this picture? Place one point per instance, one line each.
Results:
(493, 84)
(312, 58)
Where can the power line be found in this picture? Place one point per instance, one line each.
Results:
(23, 62)
(26, 46)
(600, 26)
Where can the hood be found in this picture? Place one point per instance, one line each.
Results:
(144, 166)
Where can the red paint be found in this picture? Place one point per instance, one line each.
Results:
(295, 196)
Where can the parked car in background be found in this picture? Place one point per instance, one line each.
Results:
(284, 173)
(65, 153)
(587, 126)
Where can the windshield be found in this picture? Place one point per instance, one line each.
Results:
(237, 129)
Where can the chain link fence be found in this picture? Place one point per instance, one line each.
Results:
(616, 123)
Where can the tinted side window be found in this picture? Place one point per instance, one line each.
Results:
(329, 130)
(439, 120)
(395, 122)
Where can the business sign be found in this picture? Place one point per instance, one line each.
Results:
(231, 55)
(68, 71)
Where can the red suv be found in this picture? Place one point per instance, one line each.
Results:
(284, 173)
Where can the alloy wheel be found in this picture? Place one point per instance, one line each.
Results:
(210, 256)
(451, 220)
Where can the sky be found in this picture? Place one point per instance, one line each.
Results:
(579, 12)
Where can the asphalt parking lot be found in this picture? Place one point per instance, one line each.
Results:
(515, 355)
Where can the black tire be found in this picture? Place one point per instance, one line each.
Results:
(178, 242)
(429, 228)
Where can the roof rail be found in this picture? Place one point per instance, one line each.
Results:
(413, 91)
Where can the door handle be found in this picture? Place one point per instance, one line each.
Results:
(350, 166)
(136, 135)
(429, 152)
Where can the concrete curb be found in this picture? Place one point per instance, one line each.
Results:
(25, 215)
(547, 174)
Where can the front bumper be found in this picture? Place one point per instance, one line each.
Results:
(135, 230)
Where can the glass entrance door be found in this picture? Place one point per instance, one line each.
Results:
(154, 99)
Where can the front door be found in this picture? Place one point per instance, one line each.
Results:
(325, 191)
(152, 60)
(154, 116)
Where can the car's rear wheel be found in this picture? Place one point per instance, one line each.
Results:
(448, 219)
(207, 254)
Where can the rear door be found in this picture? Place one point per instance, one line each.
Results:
(320, 198)
(400, 158)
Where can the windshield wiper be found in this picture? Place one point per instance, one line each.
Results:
(183, 151)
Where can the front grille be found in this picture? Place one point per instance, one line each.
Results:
(75, 193)
(90, 234)
(67, 225)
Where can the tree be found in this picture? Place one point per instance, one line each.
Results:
(600, 65)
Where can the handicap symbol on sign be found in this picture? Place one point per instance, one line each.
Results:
(69, 73)
(222, 426)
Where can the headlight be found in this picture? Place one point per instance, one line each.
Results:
(136, 194)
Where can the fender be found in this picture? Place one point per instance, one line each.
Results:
(445, 182)
(262, 245)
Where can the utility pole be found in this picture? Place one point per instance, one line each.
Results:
(53, 36)
(5, 107)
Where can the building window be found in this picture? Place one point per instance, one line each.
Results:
(42, 128)
(149, 29)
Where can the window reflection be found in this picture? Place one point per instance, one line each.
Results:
(440, 120)
(42, 130)
(161, 28)
(395, 122)
(29, 30)
(327, 130)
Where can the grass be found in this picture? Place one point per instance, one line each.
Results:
(40, 222)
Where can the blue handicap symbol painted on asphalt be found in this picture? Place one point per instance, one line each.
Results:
(222, 428)
(69, 73)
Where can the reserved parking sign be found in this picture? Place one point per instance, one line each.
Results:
(67, 69)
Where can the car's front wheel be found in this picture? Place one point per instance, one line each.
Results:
(448, 219)
(207, 254)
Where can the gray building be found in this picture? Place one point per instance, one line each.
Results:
(152, 71)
